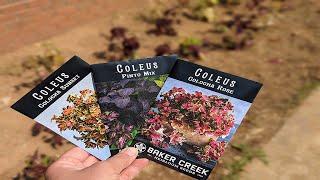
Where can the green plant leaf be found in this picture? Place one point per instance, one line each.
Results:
(163, 77)
(190, 41)
(113, 147)
(134, 133)
(159, 83)
(129, 142)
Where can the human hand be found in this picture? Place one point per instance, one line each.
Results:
(78, 164)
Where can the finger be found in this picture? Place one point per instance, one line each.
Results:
(90, 160)
(134, 169)
(75, 153)
(122, 160)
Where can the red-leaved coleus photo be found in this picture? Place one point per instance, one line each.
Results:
(195, 119)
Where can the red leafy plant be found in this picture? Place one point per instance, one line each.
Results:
(213, 150)
(163, 26)
(50, 137)
(120, 45)
(130, 100)
(36, 166)
(163, 49)
(195, 119)
(189, 48)
(163, 21)
(96, 129)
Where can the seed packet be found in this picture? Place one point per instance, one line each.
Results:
(66, 103)
(196, 113)
(126, 90)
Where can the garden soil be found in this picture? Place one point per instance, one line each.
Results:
(284, 57)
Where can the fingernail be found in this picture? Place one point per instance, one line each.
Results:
(131, 151)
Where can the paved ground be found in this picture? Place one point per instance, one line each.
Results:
(294, 152)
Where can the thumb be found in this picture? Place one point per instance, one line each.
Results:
(122, 160)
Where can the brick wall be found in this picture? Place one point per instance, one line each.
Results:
(26, 21)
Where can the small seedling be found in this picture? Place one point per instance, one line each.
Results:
(50, 137)
(41, 65)
(120, 45)
(35, 167)
(190, 47)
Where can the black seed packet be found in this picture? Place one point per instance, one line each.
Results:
(196, 113)
(65, 102)
(126, 90)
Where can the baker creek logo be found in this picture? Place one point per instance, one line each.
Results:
(140, 146)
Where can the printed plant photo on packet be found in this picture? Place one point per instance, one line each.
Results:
(124, 104)
(66, 103)
(126, 91)
(196, 113)
(192, 121)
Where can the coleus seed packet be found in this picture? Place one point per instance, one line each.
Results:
(196, 113)
(66, 103)
(126, 91)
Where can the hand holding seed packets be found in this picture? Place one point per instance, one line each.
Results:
(174, 112)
